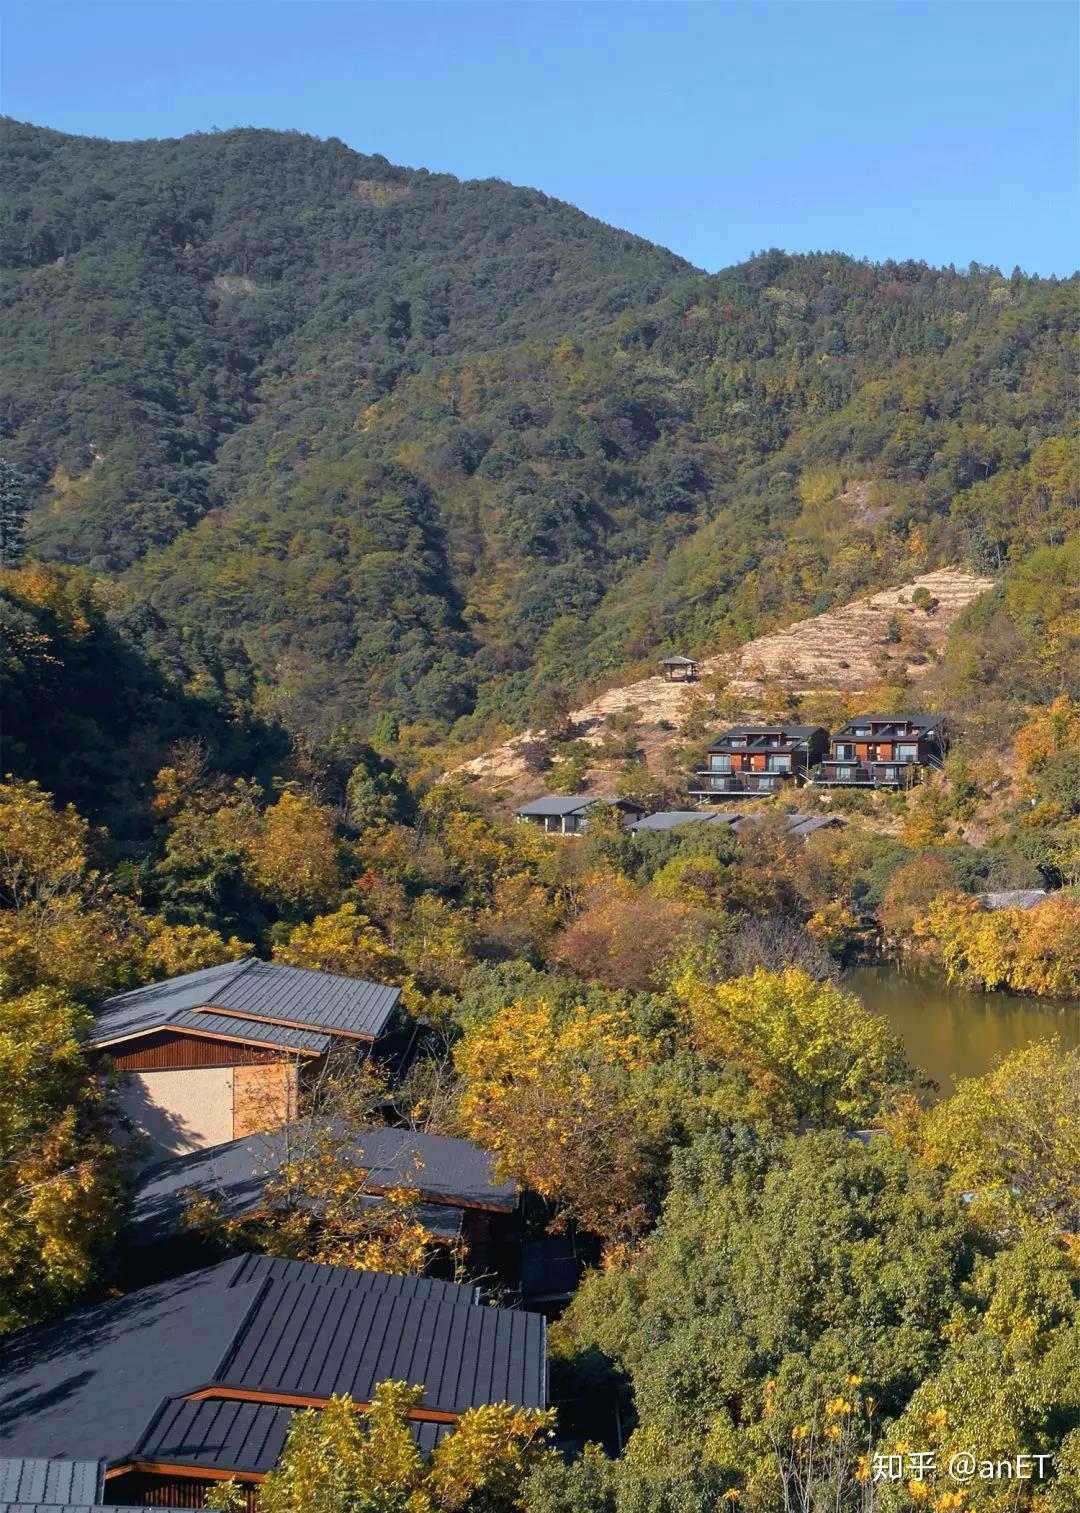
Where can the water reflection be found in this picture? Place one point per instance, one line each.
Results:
(952, 1033)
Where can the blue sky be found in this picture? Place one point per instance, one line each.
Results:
(944, 131)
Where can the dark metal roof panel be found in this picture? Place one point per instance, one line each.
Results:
(266, 990)
(280, 1269)
(257, 1032)
(315, 1342)
(442, 1169)
(80, 1387)
(234, 1177)
(226, 1435)
(39, 1480)
(217, 1434)
(81, 1507)
(672, 819)
(557, 804)
(323, 1000)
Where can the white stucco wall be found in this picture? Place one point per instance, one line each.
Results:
(182, 1110)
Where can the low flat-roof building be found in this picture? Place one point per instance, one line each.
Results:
(196, 1379)
(214, 1055)
(798, 826)
(567, 814)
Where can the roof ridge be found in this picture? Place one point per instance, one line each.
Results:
(150, 1425)
(241, 1329)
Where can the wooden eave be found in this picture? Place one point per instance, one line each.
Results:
(243, 1040)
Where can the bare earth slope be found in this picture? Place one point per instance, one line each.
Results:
(839, 652)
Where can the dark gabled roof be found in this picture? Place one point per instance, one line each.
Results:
(295, 1007)
(557, 804)
(672, 819)
(446, 1173)
(96, 1382)
(216, 1434)
(320, 1341)
(202, 1023)
(254, 1268)
(224, 1435)
(440, 1167)
(50, 1482)
(83, 1507)
(83, 1385)
(791, 733)
(799, 826)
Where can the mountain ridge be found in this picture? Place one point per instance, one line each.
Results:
(433, 448)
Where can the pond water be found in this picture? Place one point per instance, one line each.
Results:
(951, 1032)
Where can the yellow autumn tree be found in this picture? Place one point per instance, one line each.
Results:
(345, 942)
(60, 922)
(1013, 1134)
(59, 1173)
(292, 857)
(811, 1049)
(1024, 950)
(339, 1460)
(553, 1096)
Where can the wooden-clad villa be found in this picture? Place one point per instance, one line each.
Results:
(758, 760)
(883, 751)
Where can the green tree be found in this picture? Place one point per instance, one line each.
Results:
(14, 508)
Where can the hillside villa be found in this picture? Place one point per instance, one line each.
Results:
(883, 751)
(758, 760)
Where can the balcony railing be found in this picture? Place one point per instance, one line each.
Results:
(705, 782)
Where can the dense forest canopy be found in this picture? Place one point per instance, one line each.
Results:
(379, 440)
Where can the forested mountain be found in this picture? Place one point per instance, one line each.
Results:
(386, 441)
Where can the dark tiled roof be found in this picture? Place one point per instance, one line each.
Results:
(107, 1377)
(254, 993)
(50, 1481)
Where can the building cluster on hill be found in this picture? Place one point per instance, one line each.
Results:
(760, 761)
(193, 1375)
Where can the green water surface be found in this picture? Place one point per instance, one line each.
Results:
(950, 1032)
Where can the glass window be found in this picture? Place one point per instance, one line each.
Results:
(720, 763)
(907, 753)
